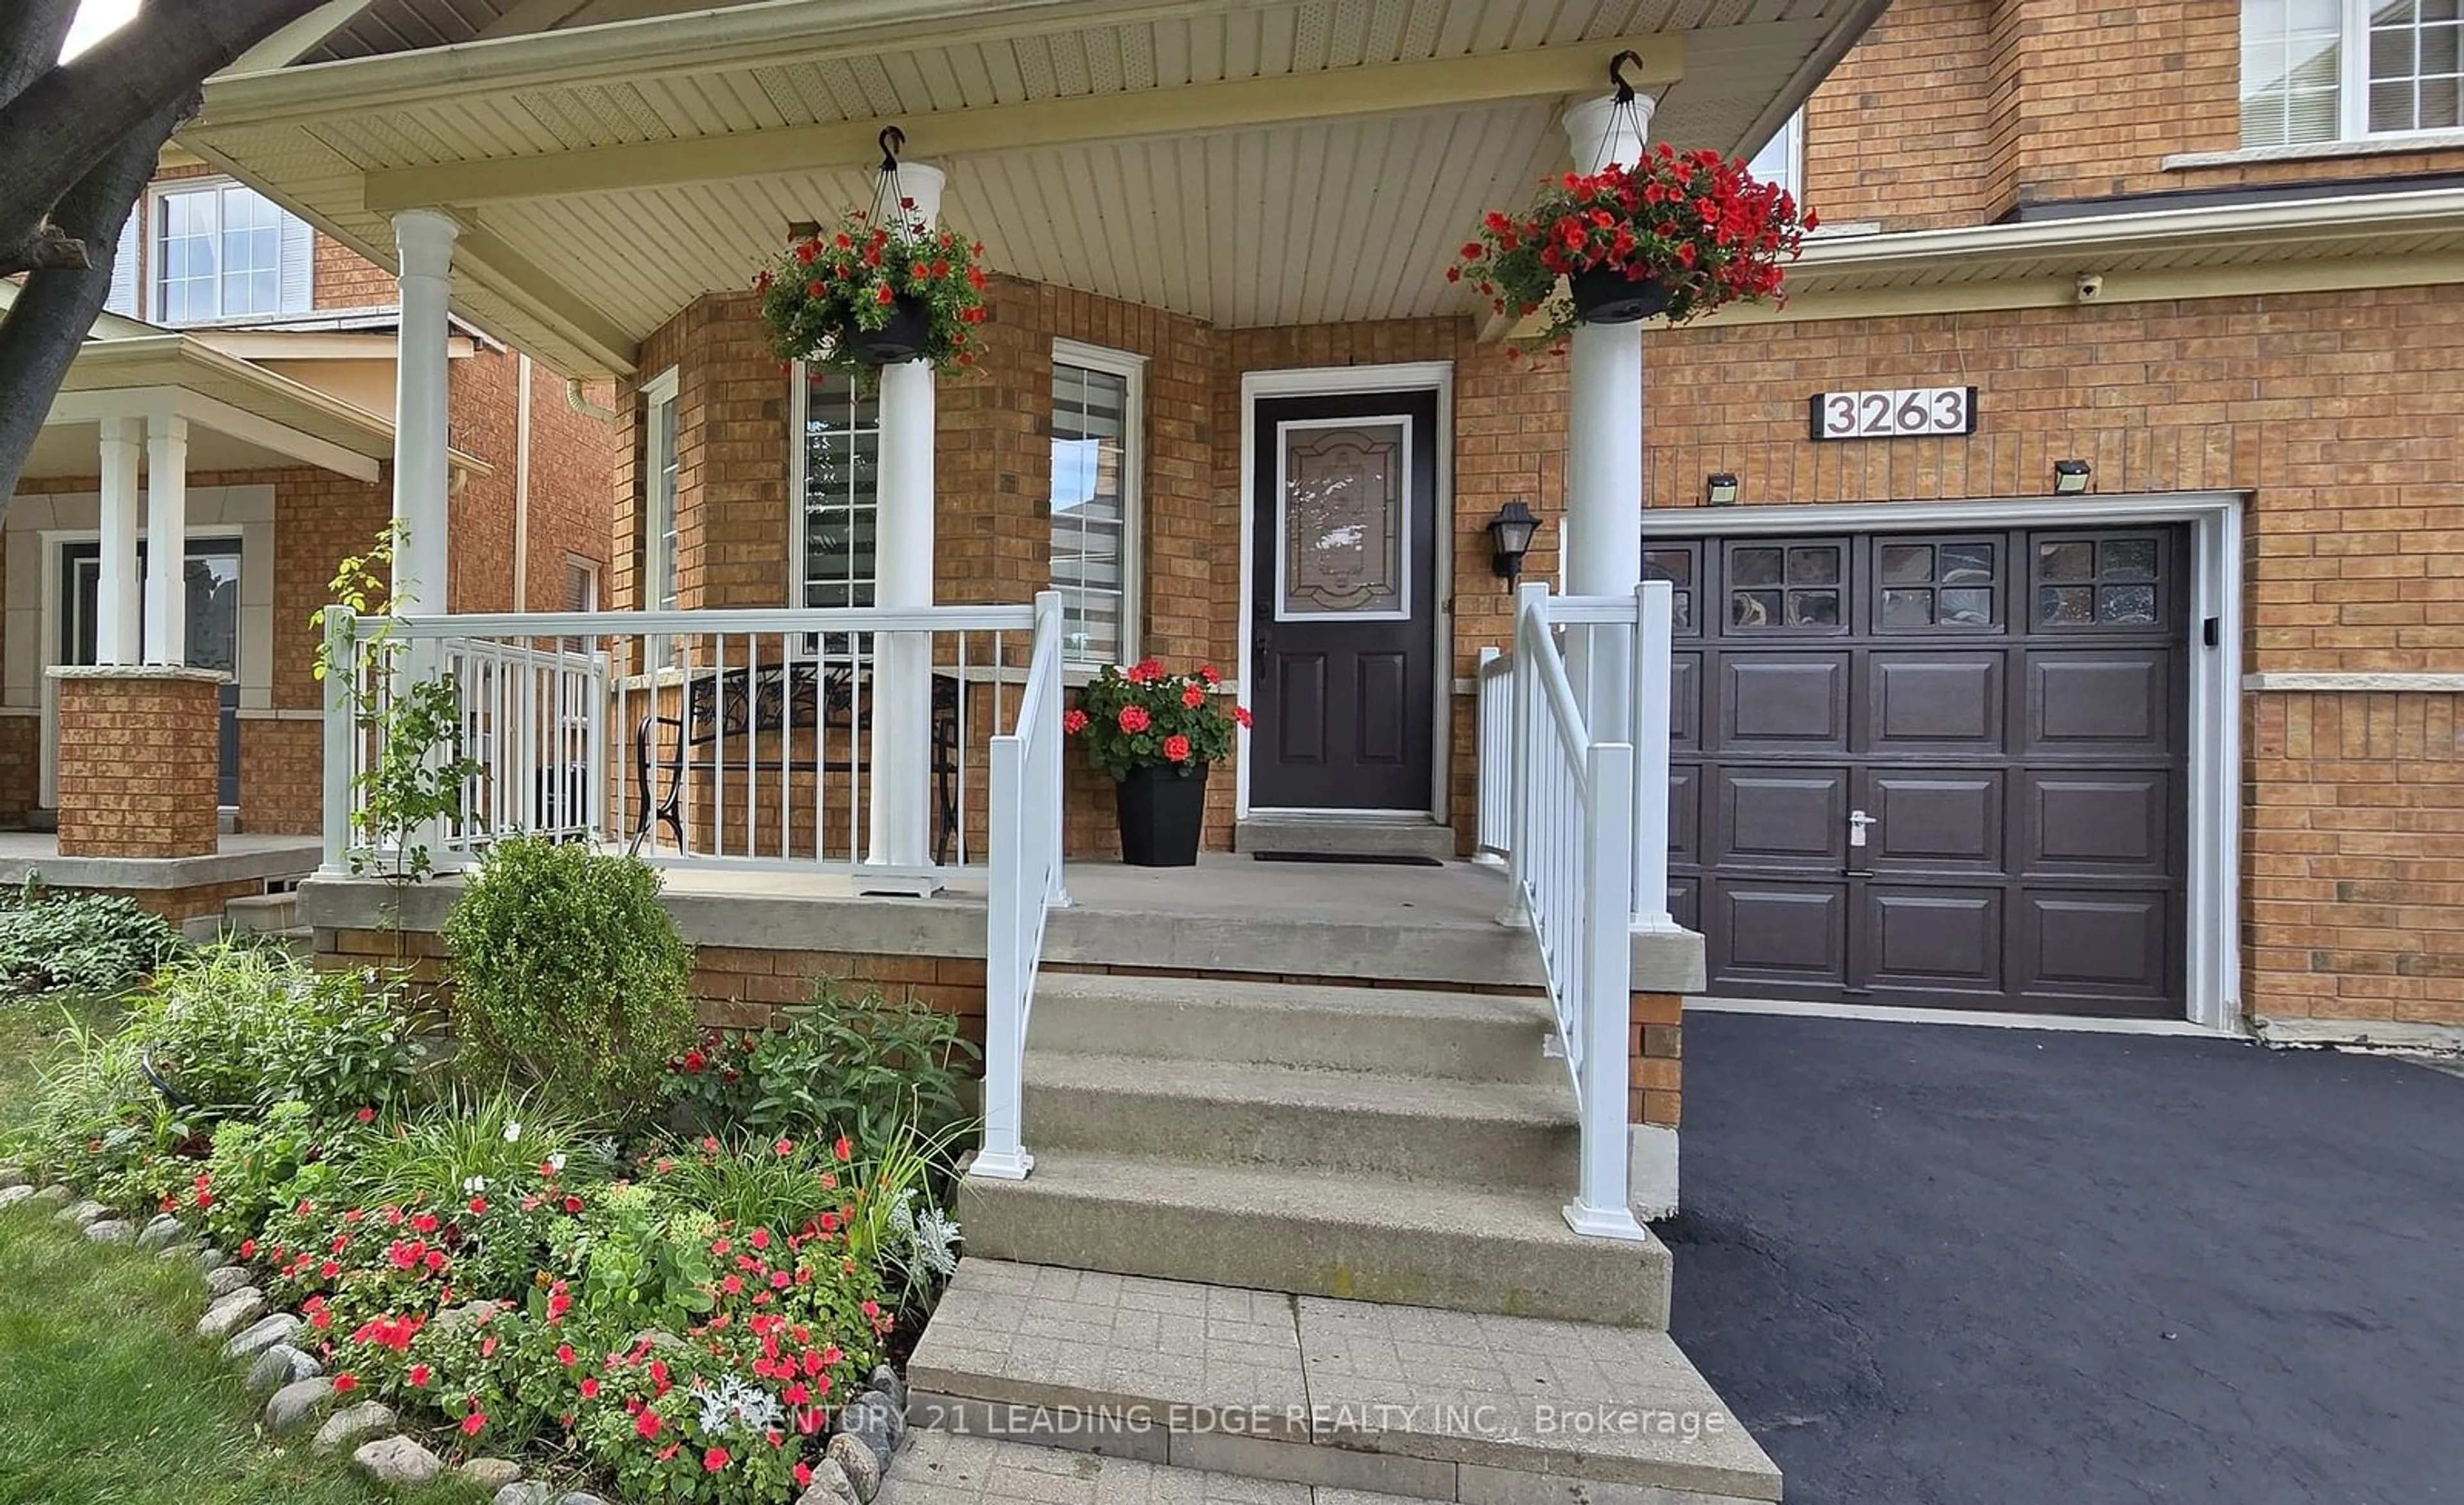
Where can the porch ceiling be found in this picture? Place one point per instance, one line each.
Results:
(1294, 161)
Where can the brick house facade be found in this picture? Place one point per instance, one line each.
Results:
(533, 466)
(2309, 389)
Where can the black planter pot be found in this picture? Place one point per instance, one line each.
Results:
(902, 338)
(1161, 809)
(1607, 295)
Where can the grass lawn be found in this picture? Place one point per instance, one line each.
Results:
(106, 1397)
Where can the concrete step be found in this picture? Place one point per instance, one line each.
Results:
(262, 912)
(1351, 1394)
(946, 1468)
(1314, 1233)
(1412, 1129)
(1472, 1036)
(1407, 838)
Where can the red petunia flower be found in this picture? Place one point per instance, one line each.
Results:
(648, 1423)
(590, 1387)
(419, 1376)
(713, 1460)
(474, 1424)
(367, 1116)
(843, 1151)
(345, 1383)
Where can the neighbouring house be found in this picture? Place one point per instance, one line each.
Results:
(159, 724)
(2043, 613)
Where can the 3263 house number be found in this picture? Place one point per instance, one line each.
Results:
(1900, 412)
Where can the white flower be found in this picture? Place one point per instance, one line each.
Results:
(737, 1408)
(475, 1184)
(555, 1162)
(513, 1130)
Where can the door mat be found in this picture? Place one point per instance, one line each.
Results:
(1373, 859)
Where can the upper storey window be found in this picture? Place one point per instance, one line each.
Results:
(221, 251)
(2349, 70)
(1782, 159)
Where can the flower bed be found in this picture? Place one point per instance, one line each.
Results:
(694, 1301)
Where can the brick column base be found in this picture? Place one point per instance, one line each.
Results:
(140, 759)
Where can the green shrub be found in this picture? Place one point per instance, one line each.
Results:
(247, 1027)
(860, 1065)
(85, 942)
(571, 977)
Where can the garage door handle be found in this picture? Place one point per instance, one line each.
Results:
(1857, 821)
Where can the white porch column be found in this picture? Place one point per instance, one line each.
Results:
(166, 533)
(116, 595)
(425, 239)
(902, 725)
(1603, 534)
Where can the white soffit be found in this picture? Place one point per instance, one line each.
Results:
(1288, 221)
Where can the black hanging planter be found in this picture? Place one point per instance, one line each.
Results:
(1607, 295)
(1161, 811)
(902, 338)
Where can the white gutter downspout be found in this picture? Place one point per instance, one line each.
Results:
(522, 487)
(583, 405)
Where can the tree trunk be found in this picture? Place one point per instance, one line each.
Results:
(32, 34)
(56, 130)
(48, 322)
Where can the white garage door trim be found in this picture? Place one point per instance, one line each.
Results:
(2212, 973)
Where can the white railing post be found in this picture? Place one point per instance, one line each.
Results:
(1654, 633)
(1047, 732)
(342, 731)
(1601, 1207)
(1492, 689)
(1530, 602)
(1004, 1153)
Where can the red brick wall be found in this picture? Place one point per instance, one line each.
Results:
(137, 764)
(1954, 112)
(2354, 854)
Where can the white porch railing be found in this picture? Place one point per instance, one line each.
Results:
(1025, 885)
(1582, 822)
(804, 741)
(1609, 626)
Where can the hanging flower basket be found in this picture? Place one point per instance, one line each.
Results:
(879, 288)
(1608, 296)
(1677, 235)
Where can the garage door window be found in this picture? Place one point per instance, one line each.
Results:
(1791, 588)
(2086, 583)
(1924, 587)
(1675, 564)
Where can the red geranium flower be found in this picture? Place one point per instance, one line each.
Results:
(473, 1423)
(715, 1460)
(648, 1423)
(345, 1383)
(1240, 714)
(1134, 718)
(1073, 721)
(1194, 696)
(1176, 748)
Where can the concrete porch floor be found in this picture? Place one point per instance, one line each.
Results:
(238, 859)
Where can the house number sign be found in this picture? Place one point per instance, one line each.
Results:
(1896, 414)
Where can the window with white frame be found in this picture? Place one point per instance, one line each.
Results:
(1782, 159)
(2349, 70)
(1098, 400)
(838, 465)
(659, 494)
(580, 592)
(221, 251)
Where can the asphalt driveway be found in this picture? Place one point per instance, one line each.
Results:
(1988, 1266)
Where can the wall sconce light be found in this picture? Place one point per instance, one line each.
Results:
(1720, 489)
(2070, 477)
(1509, 537)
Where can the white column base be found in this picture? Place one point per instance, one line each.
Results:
(1001, 1168)
(1651, 1170)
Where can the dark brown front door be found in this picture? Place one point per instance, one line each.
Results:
(1933, 768)
(1343, 615)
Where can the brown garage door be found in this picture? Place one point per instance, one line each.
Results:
(1933, 768)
